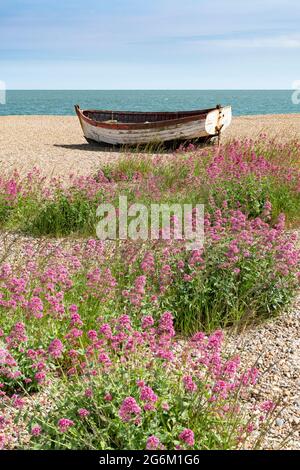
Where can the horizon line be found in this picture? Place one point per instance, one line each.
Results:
(150, 89)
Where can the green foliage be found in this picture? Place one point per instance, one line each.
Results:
(63, 217)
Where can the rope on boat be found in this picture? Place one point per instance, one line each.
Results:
(219, 126)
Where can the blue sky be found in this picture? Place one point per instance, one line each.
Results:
(149, 44)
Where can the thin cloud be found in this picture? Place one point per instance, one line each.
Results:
(276, 42)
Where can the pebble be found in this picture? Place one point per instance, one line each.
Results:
(276, 344)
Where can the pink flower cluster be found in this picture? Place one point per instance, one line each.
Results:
(129, 410)
(56, 348)
(187, 436)
(148, 396)
(64, 424)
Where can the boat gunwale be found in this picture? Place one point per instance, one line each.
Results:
(190, 116)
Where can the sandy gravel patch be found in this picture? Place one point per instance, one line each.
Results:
(283, 127)
(54, 144)
(274, 348)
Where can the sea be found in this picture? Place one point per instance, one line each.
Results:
(61, 102)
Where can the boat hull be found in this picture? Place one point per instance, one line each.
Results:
(204, 125)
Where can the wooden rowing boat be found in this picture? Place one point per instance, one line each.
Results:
(132, 128)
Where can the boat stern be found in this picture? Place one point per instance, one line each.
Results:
(218, 120)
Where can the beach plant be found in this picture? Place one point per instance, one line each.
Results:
(89, 356)
(244, 174)
(246, 271)
(63, 216)
(120, 387)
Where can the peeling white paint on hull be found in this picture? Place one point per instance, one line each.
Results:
(144, 136)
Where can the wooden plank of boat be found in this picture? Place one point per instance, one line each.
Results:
(132, 128)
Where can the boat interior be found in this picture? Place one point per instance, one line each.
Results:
(132, 117)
